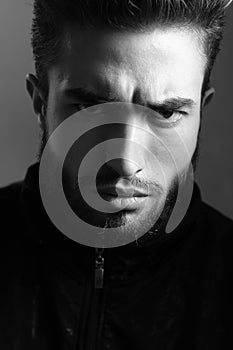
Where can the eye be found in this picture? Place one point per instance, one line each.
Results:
(170, 116)
(166, 117)
(80, 106)
(167, 114)
(84, 105)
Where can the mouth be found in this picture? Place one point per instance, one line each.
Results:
(123, 198)
(120, 192)
(124, 203)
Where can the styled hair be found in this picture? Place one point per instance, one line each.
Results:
(51, 17)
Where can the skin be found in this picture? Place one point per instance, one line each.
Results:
(141, 68)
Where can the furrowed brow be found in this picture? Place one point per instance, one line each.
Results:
(85, 95)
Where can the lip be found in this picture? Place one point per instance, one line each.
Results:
(128, 192)
(124, 203)
(129, 198)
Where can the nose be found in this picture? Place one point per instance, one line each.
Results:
(123, 167)
(128, 158)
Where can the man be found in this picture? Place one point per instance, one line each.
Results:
(159, 291)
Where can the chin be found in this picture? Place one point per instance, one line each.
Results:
(135, 223)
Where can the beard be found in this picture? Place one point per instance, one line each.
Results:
(158, 223)
(157, 216)
(140, 224)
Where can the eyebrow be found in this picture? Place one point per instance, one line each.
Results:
(173, 104)
(86, 95)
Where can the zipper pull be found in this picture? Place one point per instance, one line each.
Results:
(99, 268)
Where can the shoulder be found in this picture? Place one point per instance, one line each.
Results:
(10, 196)
(218, 230)
(16, 250)
(11, 190)
(11, 223)
(215, 220)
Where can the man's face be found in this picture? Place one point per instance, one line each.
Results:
(149, 69)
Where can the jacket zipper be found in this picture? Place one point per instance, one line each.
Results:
(99, 268)
(94, 320)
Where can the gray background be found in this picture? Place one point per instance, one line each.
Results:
(18, 125)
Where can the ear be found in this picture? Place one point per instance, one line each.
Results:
(37, 96)
(208, 95)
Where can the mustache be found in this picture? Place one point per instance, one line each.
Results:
(133, 181)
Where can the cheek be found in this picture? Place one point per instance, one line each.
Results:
(56, 114)
(174, 149)
(189, 133)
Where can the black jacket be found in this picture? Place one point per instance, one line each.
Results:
(175, 293)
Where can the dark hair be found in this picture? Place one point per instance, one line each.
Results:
(207, 16)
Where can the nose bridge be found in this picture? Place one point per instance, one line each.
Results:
(129, 158)
(130, 138)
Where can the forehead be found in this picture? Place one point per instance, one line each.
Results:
(160, 61)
